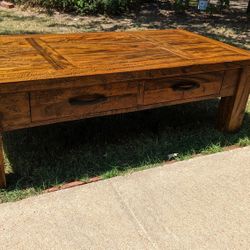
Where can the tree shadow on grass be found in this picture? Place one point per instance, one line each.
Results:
(45, 156)
(220, 26)
(230, 26)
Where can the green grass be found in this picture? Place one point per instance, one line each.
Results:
(85, 6)
(42, 157)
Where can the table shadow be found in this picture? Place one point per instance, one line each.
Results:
(49, 155)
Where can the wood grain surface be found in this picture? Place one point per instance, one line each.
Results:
(73, 102)
(232, 108)
(163, 90)
(14, 110)
(30, 58)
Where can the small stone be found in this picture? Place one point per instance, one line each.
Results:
(109, 26)
(172, 156)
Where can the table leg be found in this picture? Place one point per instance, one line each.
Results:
(232, 109)
(2, 173)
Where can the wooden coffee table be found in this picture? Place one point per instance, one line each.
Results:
(47, 79)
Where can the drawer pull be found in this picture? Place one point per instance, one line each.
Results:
(87, 100)
(185, 86)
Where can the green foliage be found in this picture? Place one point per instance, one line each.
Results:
(85, 6)
(181, 5)
(224, 3)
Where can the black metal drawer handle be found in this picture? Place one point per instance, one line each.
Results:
(185, 86)
(88, 99)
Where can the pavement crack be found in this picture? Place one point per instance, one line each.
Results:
(134, 217)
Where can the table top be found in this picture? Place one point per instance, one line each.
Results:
(38, 57)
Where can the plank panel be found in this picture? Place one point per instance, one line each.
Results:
(47, 105)
(191, 87)
(49, 54)
(14, 110)
(230, 82)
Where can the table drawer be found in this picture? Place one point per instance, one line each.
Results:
(14, 111)
(182, 88)
(82, 102)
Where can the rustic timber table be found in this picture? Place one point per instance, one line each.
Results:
(53, 78)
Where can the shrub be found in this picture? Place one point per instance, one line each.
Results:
(85, 6)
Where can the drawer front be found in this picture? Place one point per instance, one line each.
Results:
(82, 102)
(14, 111)
(182, 88)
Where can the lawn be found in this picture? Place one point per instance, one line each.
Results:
(42, 157)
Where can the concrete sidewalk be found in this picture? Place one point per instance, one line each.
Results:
(202, 203)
